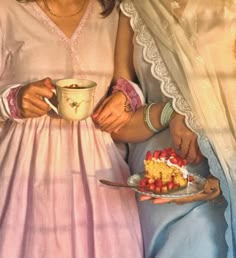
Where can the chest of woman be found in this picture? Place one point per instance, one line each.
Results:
(34, 47)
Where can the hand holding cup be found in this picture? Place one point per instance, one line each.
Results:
(30, 98)
(75, 98)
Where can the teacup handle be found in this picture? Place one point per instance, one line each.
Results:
(50, 104)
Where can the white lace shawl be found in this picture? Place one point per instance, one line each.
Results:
(173, 43)
(159, 70)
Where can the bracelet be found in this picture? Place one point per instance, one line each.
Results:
(166, 114)
(147, 118)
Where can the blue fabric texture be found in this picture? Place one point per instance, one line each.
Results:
(179, 231)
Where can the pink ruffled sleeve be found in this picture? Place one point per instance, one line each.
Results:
(12, 102)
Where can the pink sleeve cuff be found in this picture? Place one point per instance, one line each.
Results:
(129, 91)
(12, 102)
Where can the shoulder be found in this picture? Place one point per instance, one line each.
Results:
(12, 13)
(10, 6)
(6, 4)
(12, 10)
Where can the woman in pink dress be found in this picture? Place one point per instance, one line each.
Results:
(51, 201)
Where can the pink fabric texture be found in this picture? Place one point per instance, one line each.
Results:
(12, 102)
(129, 91)
(52, 204)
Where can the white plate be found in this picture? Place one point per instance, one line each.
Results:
(194, 187)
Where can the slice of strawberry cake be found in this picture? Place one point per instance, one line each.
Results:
(164, 171)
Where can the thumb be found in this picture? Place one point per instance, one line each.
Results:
(161, 200)
(145, 198)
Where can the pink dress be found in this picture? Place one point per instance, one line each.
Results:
(51, 202)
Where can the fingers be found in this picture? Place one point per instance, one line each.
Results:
(198, 158)
(105, 111)
(98, 115)
(35, 106)
(193, 198)
(184, 147)
(30, 114)
(213, 195)
(162, 200)
(30, 98)
(113, 123)
(185, 141)
(145, 198)
(188, 148)
(212, 187)
(191, 151)
(111, 116)
(211, 192)
(109, 125)
(177, 141)
(107, 117)
(156, 200)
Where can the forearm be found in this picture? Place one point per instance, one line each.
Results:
(136, 130)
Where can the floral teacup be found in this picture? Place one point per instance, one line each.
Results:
(75, 98)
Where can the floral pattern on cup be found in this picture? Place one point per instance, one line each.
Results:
(75, 104)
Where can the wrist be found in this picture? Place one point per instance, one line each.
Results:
(132, 97)
(121, 95)
(123, 100)
(12, 100)
(174, 114)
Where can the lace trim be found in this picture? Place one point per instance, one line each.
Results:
(38, 12)
(158, 68)
(168, 87)
(69, 43)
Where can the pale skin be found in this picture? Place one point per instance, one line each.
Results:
(183, 138)
(65, 8)
(114, 120)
